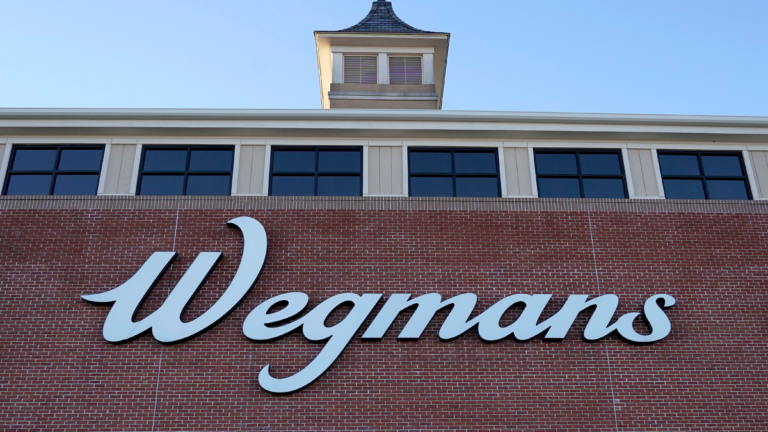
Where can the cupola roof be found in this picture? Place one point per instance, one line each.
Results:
(382, 19)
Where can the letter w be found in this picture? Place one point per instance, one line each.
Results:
(166, 322)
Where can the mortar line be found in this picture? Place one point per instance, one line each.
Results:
(160, 363)
(607, 353)
(157, 387)
(176, 226)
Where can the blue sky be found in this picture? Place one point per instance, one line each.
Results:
(607, 56)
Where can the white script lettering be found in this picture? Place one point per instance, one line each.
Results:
(262, 324)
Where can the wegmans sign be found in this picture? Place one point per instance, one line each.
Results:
(167, 327)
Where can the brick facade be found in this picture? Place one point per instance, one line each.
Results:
(709, 374)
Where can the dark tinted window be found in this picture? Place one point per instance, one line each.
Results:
(186, 171)
(162, 184)
(704, 175)
(453, 173)
(80, 160)
(336, 161)
(682, 188)
(208, 185)
(34, 159)
(211, 160)
(685, 165)
(76, 184)
(603, 188)
(54, 170)
(727, 189)
(556, 163)
(475, 163)
(600, 163)
(321, 171)
(165, 160)
(431, 186)
(559, 187)
(294, 161)
(477, 187)
(431, 162)
(580, 174)
(338, 186)
(293, 185)
(29, 184)
(722, 166)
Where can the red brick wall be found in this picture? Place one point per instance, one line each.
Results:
(711, 373)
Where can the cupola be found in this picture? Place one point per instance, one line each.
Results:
(382, 63)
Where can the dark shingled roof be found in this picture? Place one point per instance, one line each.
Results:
(382, 19)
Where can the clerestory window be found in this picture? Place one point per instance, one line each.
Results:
(453, 172)
(580, 174)
(54, 170)
(704, 175)
(178, 170)
(316, 171)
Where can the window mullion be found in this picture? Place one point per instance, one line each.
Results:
(453, 170)
(703, 175)
(578, 170)
(745, 176)
(55, 171)
(186, 173)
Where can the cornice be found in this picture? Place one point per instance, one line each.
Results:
(382, 123)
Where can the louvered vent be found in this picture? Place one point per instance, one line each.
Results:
(405, 70)
(360, 70)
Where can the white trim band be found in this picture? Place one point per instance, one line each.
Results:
(378, 50)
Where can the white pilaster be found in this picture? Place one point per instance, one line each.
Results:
(235, 170)
(4, 166)
(267, 162)
(751, 178)
(136, 164)
(502, 170)
(406, 171)
(104, 165)
(337, 68)
(383, 66)
(657, 169)
(365, 170)
(628, 173)
(532, 163)
(428, 68)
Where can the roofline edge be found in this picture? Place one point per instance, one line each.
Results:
(378, 115)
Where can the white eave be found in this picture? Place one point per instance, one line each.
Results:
(432, 35)
(381, 123)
